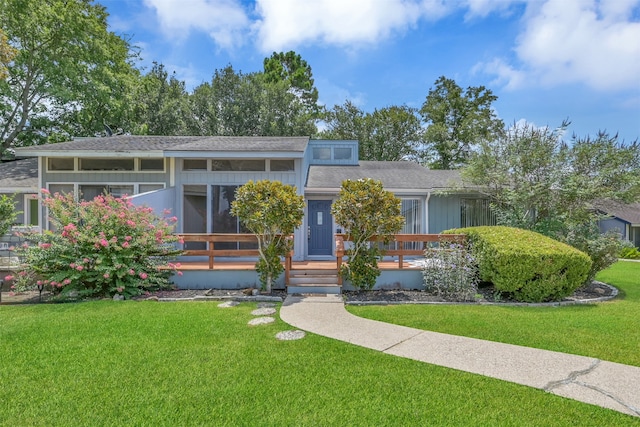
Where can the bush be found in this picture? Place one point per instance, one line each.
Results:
(629, 251)
(99, 248)
(450, 271)
(525, 264)
(366, 211)
(602, 248)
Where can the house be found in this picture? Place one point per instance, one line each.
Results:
(623, 218)
(19, 180)
(196, 177)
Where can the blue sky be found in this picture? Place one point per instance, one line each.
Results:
(546, 60)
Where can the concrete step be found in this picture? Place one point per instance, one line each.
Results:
(312, 288)
(314, 272)
(302, 280)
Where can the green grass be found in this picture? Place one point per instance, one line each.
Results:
(608, 331)
(189, 364)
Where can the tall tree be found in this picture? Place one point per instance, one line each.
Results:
(235, 103)
(456, 121)
(390, 133)
(161, 104)
(291, 68)
(68, 67)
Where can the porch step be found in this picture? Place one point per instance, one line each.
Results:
(314, 289)
(313, 281)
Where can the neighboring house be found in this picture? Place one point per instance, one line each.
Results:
(623, 218)
(19, 180)
(196, 177)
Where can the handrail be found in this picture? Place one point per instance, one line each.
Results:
(402, 240)
(211, 252)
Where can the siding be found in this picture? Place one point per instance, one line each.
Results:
(444, 213)
(614, 224)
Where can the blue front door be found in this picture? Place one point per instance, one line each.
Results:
(320, 227)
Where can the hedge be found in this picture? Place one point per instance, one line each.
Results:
(527, 265)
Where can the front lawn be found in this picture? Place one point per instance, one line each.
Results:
(187, 364)
(608, 331)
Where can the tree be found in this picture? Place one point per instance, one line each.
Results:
(365, 210)
(70, 74)
(537, 181)
(456, 121)
(7, 213)
(272, 211)
(7, 53)
(388, 134)
(161, 104)
(239, 104)
(291, 68)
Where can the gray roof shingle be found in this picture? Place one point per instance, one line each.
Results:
(19, 174)
(400, 175)
(626, 212)
(125, 143)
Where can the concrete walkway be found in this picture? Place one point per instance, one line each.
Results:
(607, 384)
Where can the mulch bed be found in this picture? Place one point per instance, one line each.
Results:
(486, 294)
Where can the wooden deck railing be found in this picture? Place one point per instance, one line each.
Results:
(407, 245)
(211, 239)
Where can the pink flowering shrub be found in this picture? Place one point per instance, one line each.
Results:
(102, 247)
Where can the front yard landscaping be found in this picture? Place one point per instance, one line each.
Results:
(607, 331)
(190, 363)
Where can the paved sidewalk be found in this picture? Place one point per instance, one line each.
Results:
(607, 384)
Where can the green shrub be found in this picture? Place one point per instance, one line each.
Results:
(525, 264)
(629, 251)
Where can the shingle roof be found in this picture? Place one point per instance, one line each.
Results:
(19, 174)
(626, 212)
(124, 143)
(394, 175)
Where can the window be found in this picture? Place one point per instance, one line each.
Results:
(218, 165)
(89, 192)
(411, 213)
(144, 188)
(152, 164)
(476, 212)
(194, 211)
(321, 153)
(342, 153)
(282, 165)
(60, 163)
(91, 164)
(60, 188)
(194, 164)
(223, 221)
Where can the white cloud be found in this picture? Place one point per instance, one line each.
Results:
(224, 20)
(288, 23)
(506, 75)
(590, 42)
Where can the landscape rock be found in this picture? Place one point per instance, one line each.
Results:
(117, 297)
(263, 311)
(261, 320)
(290, 335)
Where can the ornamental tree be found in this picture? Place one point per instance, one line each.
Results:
(272, 211)
(101, 247)
(366, 211)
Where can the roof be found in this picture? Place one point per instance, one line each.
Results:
(401, 175)
(19, 174)
(160, 144)
(627, 212)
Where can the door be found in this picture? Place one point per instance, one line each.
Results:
(320, 227)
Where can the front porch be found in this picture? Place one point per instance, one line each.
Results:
(234, 274)
(218, 266)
